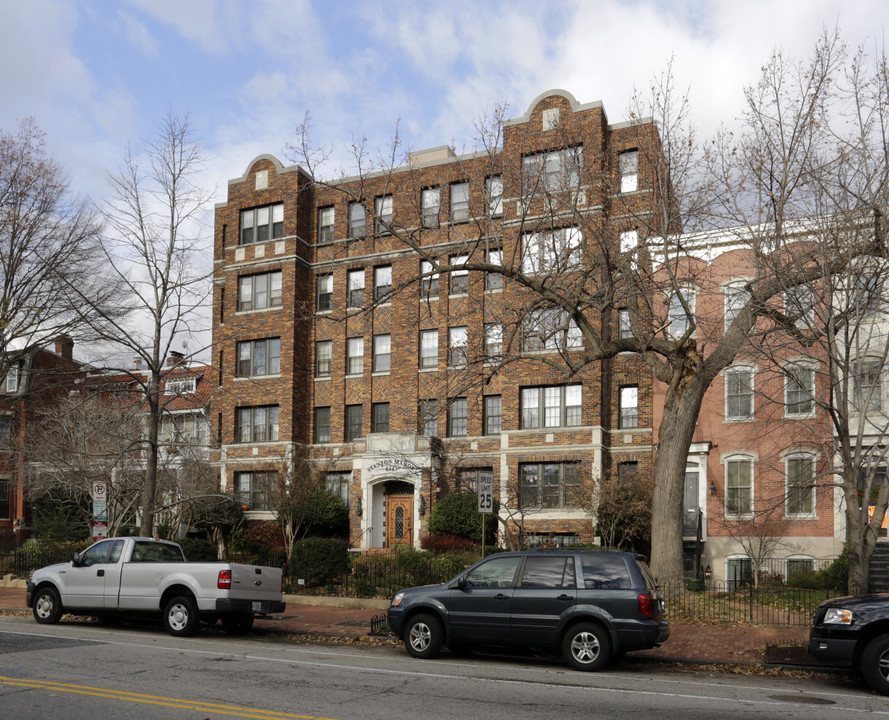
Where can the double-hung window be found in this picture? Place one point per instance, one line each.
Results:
(552, 251)
(549, 485)
(357, 220)
(5, 505)
(460, 275)
(800, 484)
(628, 163)
(252, 489)
(258, 292)
(629, 406)
(457, 418)
(736, 297)
(552, 171)
(493, 420)
(868, 386)
(354, 355)
(354, 422)
(380, 417)
(384, 214)
(460, 202)
(323, 358)
(428, 281)
(430, 202)
(262, 223)
(322, 424)
(382, 283)
(324, 298)
(494, 195)
(355, 286)
(257, 424)
(493, 341)
(428, 417)
(11, 381)
(326, 217)
(552, 406)
(681, 312)
(738, 393)
(259, 357)
(799, 390)
(382, 359)
(428, 349)
(458, 346)
(494, 280)
(739, 486)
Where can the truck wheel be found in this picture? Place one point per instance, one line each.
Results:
(47, 607)
(875, 664)
(237, 624)
(587, 647)
(423, 637)
(181, 616)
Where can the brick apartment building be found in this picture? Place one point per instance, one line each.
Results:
(38, 378)
(334, 329)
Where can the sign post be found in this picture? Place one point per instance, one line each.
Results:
(485, 500)
(100, 507)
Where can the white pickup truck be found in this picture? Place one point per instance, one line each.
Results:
(143, 576)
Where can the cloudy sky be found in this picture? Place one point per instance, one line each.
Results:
(98, 74)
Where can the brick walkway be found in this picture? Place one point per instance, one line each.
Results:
(687, 643)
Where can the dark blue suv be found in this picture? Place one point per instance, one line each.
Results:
(593, 606)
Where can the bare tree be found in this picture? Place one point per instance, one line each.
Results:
(291, 492)
(49, 242)
(620, 506)
(82, 439)
(156, 248)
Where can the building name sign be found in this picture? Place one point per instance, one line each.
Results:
(392, 465)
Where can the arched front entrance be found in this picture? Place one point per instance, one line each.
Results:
(399, 503)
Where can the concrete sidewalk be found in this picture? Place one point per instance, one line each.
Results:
(351, 619)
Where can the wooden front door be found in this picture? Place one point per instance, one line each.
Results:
(399, 520)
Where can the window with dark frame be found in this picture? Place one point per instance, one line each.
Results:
(326, 218)
(252, 489)
(428, 417)
(382, 358)
(380, 417)
(355, 279)
(382, 283)
(5, 504)
(259, 357)
(551, 406)
(459, 202)
(259, 292)
(256, 424)
(354, 422)
(323, 358)
(357, 220)
(5, 432)
(628, 165)
(261, 224)
(629, 406)
(339, 483)
(324, 300)
(322, 425)
(493, 420)
(458, 421)
(549, 485)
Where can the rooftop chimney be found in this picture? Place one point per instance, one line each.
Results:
(65, 347)
(175, 358)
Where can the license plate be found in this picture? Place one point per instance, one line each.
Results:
(261, 607)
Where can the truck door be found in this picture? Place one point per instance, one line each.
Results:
(112, 576)
(86, 578)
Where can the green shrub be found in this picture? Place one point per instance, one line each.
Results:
(318, 560)
(836, 575)
(328, 515)
(198, 549)
(449, 565)
(457, 514)
(438, 544)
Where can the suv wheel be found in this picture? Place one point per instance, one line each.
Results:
(423, 636)
(875, 664)
(587, 647)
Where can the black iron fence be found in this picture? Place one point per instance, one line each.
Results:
(22, 561)
(732, 602)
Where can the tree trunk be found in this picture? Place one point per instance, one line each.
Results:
(681, 407)
(149, 489)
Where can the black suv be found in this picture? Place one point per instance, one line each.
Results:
(593, 606)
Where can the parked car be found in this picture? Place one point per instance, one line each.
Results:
(853, 632)
(591, 606)
(143, 576)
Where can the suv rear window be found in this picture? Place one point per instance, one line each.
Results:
(605, 573)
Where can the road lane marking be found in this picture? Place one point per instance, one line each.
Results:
(159, 700)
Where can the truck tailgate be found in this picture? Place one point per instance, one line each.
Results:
(253, 582)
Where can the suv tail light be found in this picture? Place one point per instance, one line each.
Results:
(646, 604)
(224, 581)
